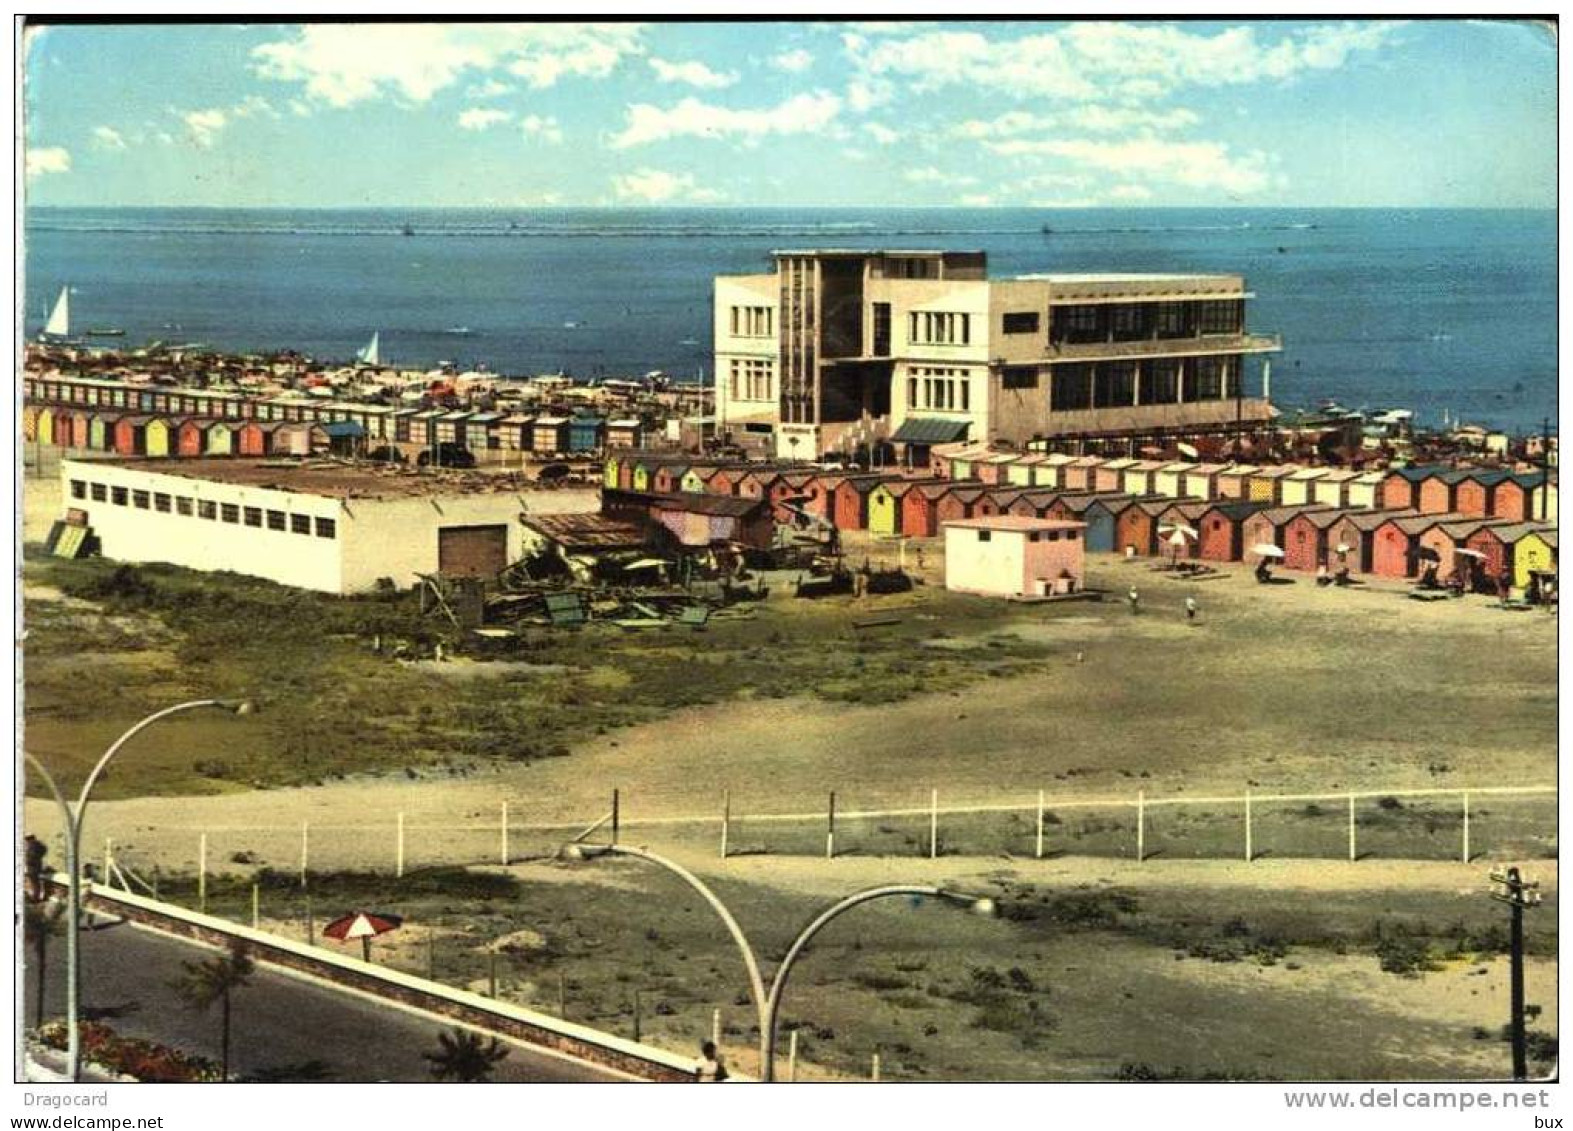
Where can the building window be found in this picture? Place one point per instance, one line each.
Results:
(1070, 388)
(98, 492)
(300, 524)
(140, 500)
(327, 528)
(753, 322)
(1019, 376)
(985, 536)
(939, 328)
(1220, 317)
(183, 505)
(229, 512)
(902, 267)
(1035, 536)
(1206, 383)
(1075, 324)
(1070, 535)
(207, 509)
(753, 379)
(254, 516)
(1160, 381)
(276, 520)
(1114, 385)
(1021, 322)
(943, 389)
(1129, 321)
(78, 489)
(161, 502)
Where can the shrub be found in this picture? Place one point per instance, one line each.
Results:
(1405, 956)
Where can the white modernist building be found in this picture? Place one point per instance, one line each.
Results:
(329, 527)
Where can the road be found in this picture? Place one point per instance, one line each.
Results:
(280, 1021)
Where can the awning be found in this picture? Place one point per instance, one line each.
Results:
(931, 430)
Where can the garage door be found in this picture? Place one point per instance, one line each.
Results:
(472, 551)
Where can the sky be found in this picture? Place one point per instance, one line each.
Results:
(1365, 113)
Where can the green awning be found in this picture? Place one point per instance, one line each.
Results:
(931, 430)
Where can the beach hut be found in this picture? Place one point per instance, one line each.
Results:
(1307, 538)
(252, 439)
(624, 432)
(957, 502)
(1222, 529)
(609, 467)
(1536, 552)
(1097, 510)
(1333, 487)
(1110, 474)
(1051, 472)
(1019, 472)
(1033, 504)
(401, 421)
(756, 483)
(668, 478)
(1446, 539)
(1395, 544)
(1356, 533)
(44, 433)
(423, 427)
(483, 432)
(1267, 527)
(586, 434)
(1201, 482)
(1401, 486)
(885, 503)
(793, 485)
(997, 500)
(190, 437)
(850, 505)
(1365, 490)
(1077, 474)
(131, 435)
(551, 436)
(963, 458)
(1435, 495)
(1170, 479)
(1472, 493)
(1232, 482)
(990, 468)
(1510, 498)
(1298, 487)
(30, 414)
(1543, 500)
(1006, 556)
(1141, 478)
(220, 438)
(1265, 483)
(642, 472)
(725, 480)
(1136, 526)
(920, 508)
(101, 432)
(1500, 543)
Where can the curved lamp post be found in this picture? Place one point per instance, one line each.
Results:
(768, 1004)
(74, 820)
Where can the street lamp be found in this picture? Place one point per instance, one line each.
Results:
(768, 1003)
(74, 820)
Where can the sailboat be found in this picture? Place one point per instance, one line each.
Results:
(59, 324)
(372, 354)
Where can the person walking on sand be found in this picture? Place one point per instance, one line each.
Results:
(711, 1069)
(1134, 600)
(1190, 609)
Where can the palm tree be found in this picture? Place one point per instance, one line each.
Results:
(40, 923)
(463, 1057)
(205, 983)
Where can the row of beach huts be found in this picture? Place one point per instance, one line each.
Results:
(1395, 523)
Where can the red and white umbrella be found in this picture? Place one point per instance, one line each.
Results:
(363, 925)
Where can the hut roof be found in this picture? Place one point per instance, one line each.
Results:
(1366, 521)
(1237, 509)
(1278, 516)
(1420, 523)
(1511, 532)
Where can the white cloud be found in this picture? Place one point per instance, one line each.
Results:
(655, 186)
(805, 113)
(204, 126)
(976, 200)
(543, 128)
(478, 118)
(47, 159)
(883, 134)
(490, 88)
(928, 175)
(692, 73)
(107, 137)
(342, 64)
(1130, 192)
(1195, 164)
(1099, 62)
(1090, 118)
(793, 62)
(864, 94)
(254, 105)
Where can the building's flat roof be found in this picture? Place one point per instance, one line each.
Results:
(1015, 522)
(332, 479)
(1112, 277)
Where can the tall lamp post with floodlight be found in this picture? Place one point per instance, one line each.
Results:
(74, 819)
(768, 1002)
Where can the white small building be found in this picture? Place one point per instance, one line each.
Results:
(1006, 555)
(326, 526)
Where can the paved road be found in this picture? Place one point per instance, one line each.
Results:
(279, 1020)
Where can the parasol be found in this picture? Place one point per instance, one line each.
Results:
(363, 925)
(1466, 553)
(1267, 550)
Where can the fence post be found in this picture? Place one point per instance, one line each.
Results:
(636, 1015)
(491, 974)
(1141, 826)
(1037, 851)
(792, 1057)
(202, 873)
(933, 824)
(873, 1073)
(311, 924)
(830, 829)
(726, 819)
(562, 995)
(1249, 853)
(398, 849)
(1353, 852)
(431, 956)
(1466, 828)
(109, 859)
(256, 907)
(305, 850)
(715, 1027)
(617, 813)
(504, 828)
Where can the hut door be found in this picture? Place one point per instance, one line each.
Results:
(472, 551)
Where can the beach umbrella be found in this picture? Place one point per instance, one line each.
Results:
(1466, 553)
(363, 925)
(1344, 547)
(1178, 528)
(1266, 550)
(1186, 450)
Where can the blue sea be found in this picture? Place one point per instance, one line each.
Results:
(1431, 310)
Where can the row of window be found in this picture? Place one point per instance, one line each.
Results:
(945, 390)
(1123, 322)
(1035, 535)
(205, 508)
(753, 379)
(753, 322)
(939, 328)
(1120, 384)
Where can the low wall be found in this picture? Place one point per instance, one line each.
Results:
(578, 1041)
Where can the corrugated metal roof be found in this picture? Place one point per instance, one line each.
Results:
(586, 531)
(931, 430)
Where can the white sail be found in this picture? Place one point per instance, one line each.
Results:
(372, 354)
(59, 324)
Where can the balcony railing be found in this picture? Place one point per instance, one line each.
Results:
(1164, 347)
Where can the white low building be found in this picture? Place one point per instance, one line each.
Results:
(1006, 555)
(327, 526)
